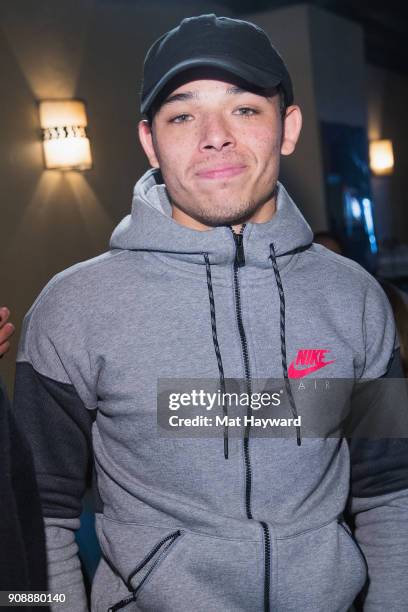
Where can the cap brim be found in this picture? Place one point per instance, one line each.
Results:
(250, 74)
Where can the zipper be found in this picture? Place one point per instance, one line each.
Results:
(239, 245)
(267, 552)
(168, 541)
(239, 262)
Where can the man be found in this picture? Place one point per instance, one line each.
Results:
(212, 276)
(22, 550)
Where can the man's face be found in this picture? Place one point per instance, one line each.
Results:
(218, 148)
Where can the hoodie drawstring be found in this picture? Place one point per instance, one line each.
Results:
(283, 339)
(216, 346)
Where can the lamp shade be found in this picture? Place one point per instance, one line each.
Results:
(65, 141)
(381, 157)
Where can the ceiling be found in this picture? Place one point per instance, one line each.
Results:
(385, 25)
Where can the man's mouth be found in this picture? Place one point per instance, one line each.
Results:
(221, 172)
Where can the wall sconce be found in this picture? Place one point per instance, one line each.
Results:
(65, 142)
(381, 157)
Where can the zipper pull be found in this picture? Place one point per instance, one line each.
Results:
(239, 246)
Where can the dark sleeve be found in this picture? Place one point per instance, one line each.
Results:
(55, 397)
(379, 509)
(58, 427)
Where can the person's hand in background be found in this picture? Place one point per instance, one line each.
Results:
(6, 330)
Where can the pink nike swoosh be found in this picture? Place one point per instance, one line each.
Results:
(294, 373)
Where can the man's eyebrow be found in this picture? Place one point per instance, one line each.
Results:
(190, 95)
(180, 97)
(236, 90)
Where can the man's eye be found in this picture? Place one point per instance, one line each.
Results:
(181, 118)
(245, 111)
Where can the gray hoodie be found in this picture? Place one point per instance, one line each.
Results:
(181, 526)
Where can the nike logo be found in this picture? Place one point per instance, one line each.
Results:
(313, 358)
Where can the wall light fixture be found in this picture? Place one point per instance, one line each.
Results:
(381, 157)
(65, 141)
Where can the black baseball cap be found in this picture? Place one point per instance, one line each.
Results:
(238, 47)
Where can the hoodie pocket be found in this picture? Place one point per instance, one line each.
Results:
(134, 552)
(146, 567)
(175, 569)
(321, 570)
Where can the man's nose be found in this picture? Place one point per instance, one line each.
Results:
(216, 134)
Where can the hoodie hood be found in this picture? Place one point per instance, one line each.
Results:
(150, 227)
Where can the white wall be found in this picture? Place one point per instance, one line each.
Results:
(339, 69)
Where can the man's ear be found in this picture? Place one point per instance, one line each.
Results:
(146, 140)
(292, 124)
